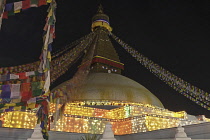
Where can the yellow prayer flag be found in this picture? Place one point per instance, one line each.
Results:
(17, 108)
(15, 100)
(50, 13)
(45, 47)
(12, 104)
(5, 107)
(47, 93)
(17, 11)
(49, 1)
(49, 55)
(31, 105)
(42, 84)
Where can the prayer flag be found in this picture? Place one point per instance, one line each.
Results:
(47, 82)
(32, 100)
(9, 109)
(34, 3)
(31, 106)
(49, 1)
(8, 7)
(17, 11)
(15, 91)
(30, 73)
(26, 91)
(5, 107)
(42, 2)
(50, 13)
(3, 78)
(14, 76)
(22, 75)
(17, 108)
(26, 4)
(15, 100)
(6, 91)
(17, 5)
(50, 47)
(11, 13)
(49, 55)
(36, 90)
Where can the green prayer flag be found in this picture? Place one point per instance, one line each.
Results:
(11, 13)
(34, 2)
(20, 104)
(23, 107)
(36, 90)
(2, 105)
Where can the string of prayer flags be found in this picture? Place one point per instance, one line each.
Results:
(48, 39)
(82, 72)
(193, 93)
(44, 67)
(2, 8)
(59, 64)
(20, 68)
(16, 7)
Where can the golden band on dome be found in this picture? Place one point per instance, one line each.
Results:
(101, 23)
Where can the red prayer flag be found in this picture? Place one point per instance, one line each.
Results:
(26, 4)
(45, 106)
(26, 92)
(52, 29)
(22, 75)
(5, 15)
(42, 2)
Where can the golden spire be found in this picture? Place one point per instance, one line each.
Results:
(100, 9)
(105, 59)
(100, 20)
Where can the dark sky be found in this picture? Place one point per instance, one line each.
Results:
(174, 34)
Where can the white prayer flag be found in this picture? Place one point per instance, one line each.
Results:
(32, 100)
(17, 5)
(47, 82)
(30, 73)
(3, 78)
(15, 91)
(13, 76)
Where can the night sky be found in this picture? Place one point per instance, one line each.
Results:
(174, 34)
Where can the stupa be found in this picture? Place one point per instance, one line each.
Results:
(106, 96)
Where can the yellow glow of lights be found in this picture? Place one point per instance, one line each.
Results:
(18, 119)
(127, 119)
